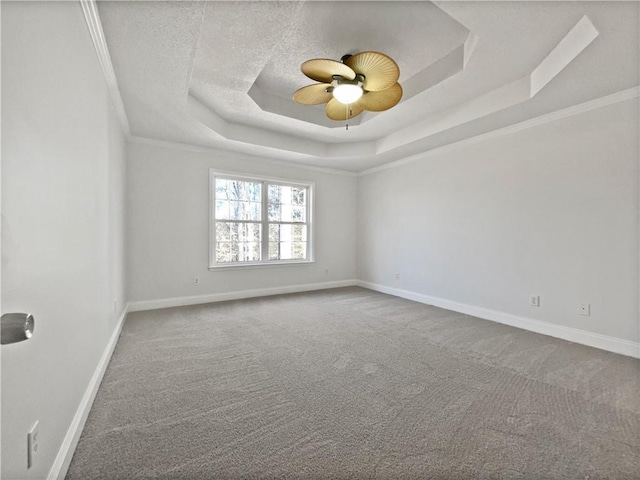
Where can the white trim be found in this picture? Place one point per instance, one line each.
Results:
(264, 222)
(237, 295)
(91, 16)
(248, 265)
(211, 150)
(584, 337)
(585, 107)
(65, 453)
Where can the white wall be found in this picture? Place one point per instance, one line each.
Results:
(168, 199)
(63, 218)
(551, 211)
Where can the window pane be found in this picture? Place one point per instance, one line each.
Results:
(234, 252)
(255, 210)
(299, 233)
(285, 195)
(274, 233)
(274, 250)
(287, 250)
(223, 232)
(238, 242)
(222, 209)
(299, 250)
(274, 210)
(249, 252)
(273, 205)
(285, 213)
(287, 242)
(256, 235)
(233, 231)
(243, 211)
(222, 252)
(287, 233)
(248, 232)
(298, 214)
(243, 190)
(298, 196)
(254, 192)
(234, 210)
(221, 188)
(287, 204)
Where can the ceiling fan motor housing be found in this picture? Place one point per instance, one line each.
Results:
(338, 80)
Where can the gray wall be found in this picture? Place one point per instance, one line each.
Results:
(168, 228)
(551, 210)
(63, 167)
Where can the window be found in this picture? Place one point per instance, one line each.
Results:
(258, 221)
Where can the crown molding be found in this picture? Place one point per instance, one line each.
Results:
(596, 104)
(209, 150)
(91, 16)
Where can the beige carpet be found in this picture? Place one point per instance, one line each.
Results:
(350, 383)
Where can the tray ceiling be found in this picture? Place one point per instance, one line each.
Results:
(221, 74)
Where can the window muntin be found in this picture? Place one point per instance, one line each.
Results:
(259, 221)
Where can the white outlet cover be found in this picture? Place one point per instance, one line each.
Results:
(585, 309)
(534, 300)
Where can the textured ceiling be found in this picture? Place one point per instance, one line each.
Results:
(221, 74)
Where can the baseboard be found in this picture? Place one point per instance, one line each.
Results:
(584, 337)
(237, 295)
(65, 453)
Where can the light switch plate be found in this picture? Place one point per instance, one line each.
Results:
(33, 444)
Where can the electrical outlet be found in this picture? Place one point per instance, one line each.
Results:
(326, 271)
(397, 276)
(534, 300)
(33, 444)
(585, 309)
(196, 280)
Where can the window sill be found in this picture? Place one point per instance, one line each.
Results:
(260, 265)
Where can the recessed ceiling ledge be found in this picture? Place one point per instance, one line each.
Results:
(269, 139)
(519, 91)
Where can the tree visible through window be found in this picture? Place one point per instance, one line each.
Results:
(259, 221)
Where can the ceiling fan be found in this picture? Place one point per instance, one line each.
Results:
(364, 81)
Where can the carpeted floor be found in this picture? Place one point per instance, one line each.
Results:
(350, 383)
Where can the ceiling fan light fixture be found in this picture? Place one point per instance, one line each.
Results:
(347, 91)
(363, 81)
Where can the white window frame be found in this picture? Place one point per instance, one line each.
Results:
(264, 245)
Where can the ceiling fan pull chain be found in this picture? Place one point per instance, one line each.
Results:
(348, 115)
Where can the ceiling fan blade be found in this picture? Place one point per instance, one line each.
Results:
(379, 101)
(323, 70)
(313, 94)
(339, 111)
(379, 70)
